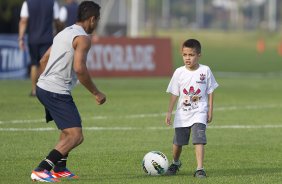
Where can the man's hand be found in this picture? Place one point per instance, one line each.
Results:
(21, 44)
(100, 98)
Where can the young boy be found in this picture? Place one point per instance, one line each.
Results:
(193, 84)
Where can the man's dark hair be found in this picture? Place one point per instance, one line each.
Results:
(88, 9)
(193, 43)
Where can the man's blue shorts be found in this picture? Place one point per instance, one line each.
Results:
(36, 51)
(60, 108)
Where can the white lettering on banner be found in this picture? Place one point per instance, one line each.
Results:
(121, 58)
(11, 59)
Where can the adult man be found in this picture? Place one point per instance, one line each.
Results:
(68, 13)
(37, 18)
(62, 65)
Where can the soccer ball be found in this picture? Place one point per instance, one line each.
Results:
(155, 163)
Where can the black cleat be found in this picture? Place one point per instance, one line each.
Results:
(200, 174)
(173, 168)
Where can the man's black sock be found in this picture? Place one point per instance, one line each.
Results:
(50, 161)
(61, 164)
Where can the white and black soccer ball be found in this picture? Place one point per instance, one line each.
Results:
(155, 163)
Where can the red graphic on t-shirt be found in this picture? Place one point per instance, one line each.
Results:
(191, 98)
(185, 91)
(191, 90)
(198, 91)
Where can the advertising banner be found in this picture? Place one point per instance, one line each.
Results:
(13, 61)
(108, 57)
(125, 57)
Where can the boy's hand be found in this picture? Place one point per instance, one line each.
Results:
(209, 120)
(168, 119)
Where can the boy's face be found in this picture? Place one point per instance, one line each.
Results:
(190, 58)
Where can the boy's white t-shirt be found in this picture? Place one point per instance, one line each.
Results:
(192, 88)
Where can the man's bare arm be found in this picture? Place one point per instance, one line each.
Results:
(44, 61)
(22, 28)
(82, 45)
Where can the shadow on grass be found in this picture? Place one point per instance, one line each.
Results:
(213, 175)
(242, 172)
(123, 178)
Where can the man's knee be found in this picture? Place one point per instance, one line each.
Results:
(81, 140)
(78, 137)
(74, 135)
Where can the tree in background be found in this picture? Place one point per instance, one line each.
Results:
(10, 15)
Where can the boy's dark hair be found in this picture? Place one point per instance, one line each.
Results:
(193, 43)
(87, 9)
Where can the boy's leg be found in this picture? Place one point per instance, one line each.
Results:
(176, 151)
(199, 151)
(181, 137)
(176, 164)
(199, 140)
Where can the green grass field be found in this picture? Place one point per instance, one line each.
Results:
(244, 139)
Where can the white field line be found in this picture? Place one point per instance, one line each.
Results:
(141, 128)
(248, 74)
(248, 107)
(137, 116)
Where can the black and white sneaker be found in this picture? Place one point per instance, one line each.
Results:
(173, 168)
(200, 174)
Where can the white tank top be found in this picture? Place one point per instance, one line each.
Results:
(59, 76)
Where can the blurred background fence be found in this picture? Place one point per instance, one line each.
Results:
(237, 36)
(134, 17)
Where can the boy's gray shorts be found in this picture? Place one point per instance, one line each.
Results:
(182, 134)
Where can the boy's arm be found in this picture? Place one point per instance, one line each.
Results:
(210, 111)
(172, 101)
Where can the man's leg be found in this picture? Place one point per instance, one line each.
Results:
(60, 170)
(34, 57)
(34, 78)
(61, 165)
(42, 172)
(69, 139)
